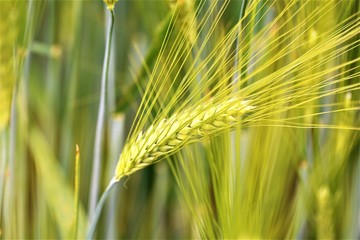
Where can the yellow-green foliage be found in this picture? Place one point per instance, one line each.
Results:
(67, 216)
(250, 110)
(8, 33)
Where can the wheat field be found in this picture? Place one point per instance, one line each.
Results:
(180, 119)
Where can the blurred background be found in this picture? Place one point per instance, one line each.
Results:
(52, 56)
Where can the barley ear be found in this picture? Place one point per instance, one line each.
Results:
(170, 135)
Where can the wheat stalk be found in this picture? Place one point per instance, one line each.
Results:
(100, 124)
(169, 135)
(324, 222)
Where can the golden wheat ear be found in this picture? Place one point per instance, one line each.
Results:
(170, 135)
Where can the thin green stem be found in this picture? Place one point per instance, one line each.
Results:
(95, 178)
(99, 206)
(76, 191)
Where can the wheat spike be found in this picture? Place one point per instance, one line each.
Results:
(169, 135)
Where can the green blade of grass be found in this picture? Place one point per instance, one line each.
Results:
(58, 194)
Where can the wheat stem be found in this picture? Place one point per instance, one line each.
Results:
(95, 178)
(169, 135)
(76, 189)
(97, 212)
(324, 217)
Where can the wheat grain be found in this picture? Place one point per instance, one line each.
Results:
(170, 135)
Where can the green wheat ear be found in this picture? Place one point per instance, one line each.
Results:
(170, 135)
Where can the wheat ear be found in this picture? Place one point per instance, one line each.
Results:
(170, 135)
